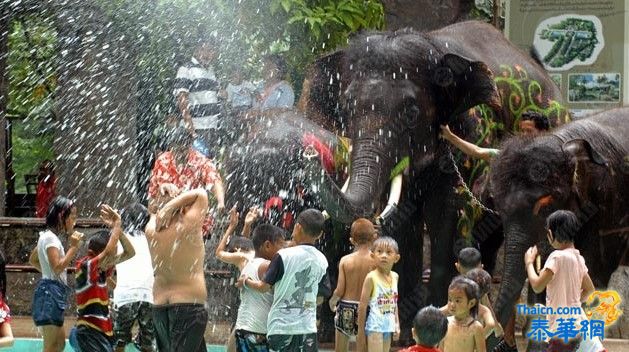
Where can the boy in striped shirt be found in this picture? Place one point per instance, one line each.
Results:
(94, 328)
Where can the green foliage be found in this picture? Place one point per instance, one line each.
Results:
(32, 81)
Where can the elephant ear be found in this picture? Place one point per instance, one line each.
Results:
(323, 87)
(583, 155)
(463, 84)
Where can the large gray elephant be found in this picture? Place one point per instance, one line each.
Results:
(390, 91)
(583, 167)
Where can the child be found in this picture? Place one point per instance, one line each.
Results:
(298, 276)
(6, 334)
(380, 295)
(133, 295)
(564, 276)
(240, 253)
(353, 268)
(486, 315)
(50, 258)
(465, 333)
(429, 328)
(468, 258)
(240, 93)
(94, 327)
(251, 323)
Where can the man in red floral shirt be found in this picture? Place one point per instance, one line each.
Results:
(180, 169)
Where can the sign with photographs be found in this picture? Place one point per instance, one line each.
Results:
(581, 43)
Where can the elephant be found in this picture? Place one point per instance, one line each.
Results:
(264, 163)
(581, 166)
(390, 91)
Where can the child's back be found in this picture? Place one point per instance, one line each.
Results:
(355, 266)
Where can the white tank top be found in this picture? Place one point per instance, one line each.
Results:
(254, 306)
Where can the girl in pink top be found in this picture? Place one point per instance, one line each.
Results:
(564, 276)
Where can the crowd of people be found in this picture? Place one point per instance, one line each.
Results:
(154, 256)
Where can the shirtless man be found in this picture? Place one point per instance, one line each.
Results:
(177, 250)
(353, 268)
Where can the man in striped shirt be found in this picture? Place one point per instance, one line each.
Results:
(196, 89)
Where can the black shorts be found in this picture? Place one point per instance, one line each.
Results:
(90, 339)
(293, 343)
(180, 327)
(125, 317)
(247, 341)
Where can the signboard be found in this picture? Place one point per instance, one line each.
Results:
(581, 43)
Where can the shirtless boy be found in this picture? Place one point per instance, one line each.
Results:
(353, 268)
(176, 243)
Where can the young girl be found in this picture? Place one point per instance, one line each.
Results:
(380, 294)
(465, 333)
(6, 334)
(49, 257)
(486, 315)
(564, 276)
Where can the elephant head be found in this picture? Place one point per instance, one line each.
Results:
(531, 178)
(390, 91)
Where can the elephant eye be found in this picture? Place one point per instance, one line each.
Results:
(411, 113)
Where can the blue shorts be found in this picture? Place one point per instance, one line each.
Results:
(385, 335)
(49, 302)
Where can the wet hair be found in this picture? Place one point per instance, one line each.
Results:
(481, 278)
(362, 231)
(430, 326)
(280, 64)
(469, 258)
(98, 241)
(179, 136)
(3, 276)
(471, 290)
(266, 232)
(541, 121)
(239, 242)
(58, 212)
(311, 221)
(385, 241)
(564, 225)
(134, 218)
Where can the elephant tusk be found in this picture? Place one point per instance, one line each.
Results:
(345, 185)
(394, 198)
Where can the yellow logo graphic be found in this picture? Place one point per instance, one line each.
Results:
(603, 305)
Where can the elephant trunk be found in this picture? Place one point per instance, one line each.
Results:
(516, 243)
(370, 171)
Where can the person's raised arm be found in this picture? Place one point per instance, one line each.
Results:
(238, 259)
(340, 286)
(6, 335)
(59, 264)
(538, 282)
(250, 219)
(361, 338)
(111, 218)
(219, 193)
(466, 147)
(168, 211)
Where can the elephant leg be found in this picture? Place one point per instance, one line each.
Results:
(441, 218)
(488, 233)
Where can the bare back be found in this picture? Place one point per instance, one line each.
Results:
(356, 266)
(178, 253)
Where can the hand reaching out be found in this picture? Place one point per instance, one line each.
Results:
(76, 238)
(252, 216)
(109, 216)
(233, 218)
(530, 255)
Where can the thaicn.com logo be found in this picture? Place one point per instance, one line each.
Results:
(601, 310)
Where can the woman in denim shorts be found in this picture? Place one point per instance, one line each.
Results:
(50, 258)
